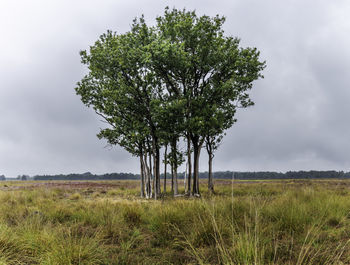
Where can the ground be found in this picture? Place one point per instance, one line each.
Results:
(245, 222)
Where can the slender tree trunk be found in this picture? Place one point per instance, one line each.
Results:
(210, 176)
(142, 175)
(197, 145)
(189, 161)
(199, 152)
(165, 166)
(196, 166)
(196, 170)
(148, 177)
(176, 190)
(145, 175)
(172, 177)
(210, 164)
(185, 178)
(174, 184)
(174, 156)
(151, 183)
(154, 180)
(156, 167)
(154, 183)
(158, 170)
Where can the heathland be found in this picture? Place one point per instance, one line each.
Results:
(244, 222)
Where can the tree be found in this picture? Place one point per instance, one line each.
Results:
(201, 66)
(170, 118)
(216, 122)
(180, 79)
(23, 177)
(122, 90)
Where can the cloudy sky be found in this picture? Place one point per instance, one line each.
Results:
(300, 120)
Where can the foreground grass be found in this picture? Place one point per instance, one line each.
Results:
(285, 222)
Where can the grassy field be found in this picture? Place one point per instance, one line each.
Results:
(256, 222)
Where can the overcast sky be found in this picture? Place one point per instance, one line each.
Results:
(300, 120)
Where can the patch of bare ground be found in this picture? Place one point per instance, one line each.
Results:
(326, 182)
(74, 185)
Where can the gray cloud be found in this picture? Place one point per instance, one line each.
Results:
(299, 122)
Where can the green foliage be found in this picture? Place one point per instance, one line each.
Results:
(119, 87)
(206, 69)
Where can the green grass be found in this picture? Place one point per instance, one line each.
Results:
(272, 222)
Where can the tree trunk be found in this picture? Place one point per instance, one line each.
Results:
(172, 177)
(174, 169)
(210, 176)
(197, 145)
(142, 175)
(196, 166)
(165, 166)
(151, 183)
(148, 177)
(189, 161)
(156, 167)
(176, 191)
(158, 170)
(209, 147)
(185, 178)
(154, 182)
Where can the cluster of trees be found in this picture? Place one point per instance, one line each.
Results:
(181, 80)
(23, 177)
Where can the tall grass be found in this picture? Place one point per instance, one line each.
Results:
(263, 223)
(298, 227)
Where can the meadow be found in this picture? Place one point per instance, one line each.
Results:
(245, 222)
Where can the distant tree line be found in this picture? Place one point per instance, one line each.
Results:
(331, 174)
(312, 174)
(88, 176)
